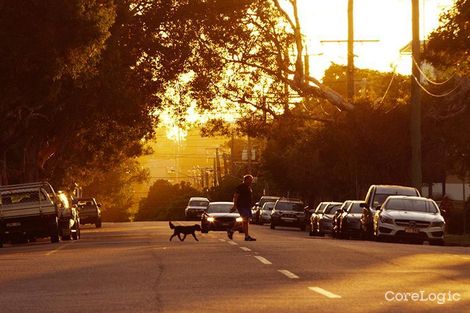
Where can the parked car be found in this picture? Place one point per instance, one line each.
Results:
(375, 197)
(412, 218)
(89, 211)
(28, 212)
(196, 206)
(265, 212)
(350, 220)
(325, 222)
(289, 213)
(219, 218)
(69, 220)
(255, 210)
(315, 217)
(336, 232)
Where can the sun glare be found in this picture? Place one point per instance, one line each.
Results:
(388, 21)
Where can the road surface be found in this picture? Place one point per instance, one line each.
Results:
(132, 267)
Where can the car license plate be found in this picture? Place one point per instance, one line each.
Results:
(13, 224)
(289, 219)
(411, 230)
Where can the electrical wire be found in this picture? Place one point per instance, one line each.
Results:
(430, 80)
(388, 88)
(435, 95)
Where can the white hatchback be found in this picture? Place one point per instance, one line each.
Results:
(412, 218)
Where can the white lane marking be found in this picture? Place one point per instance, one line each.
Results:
(55, 250)
(324, 292)
(461, 256)
(245, 249)
(233, 243)
(223, 240)
(262, 260)
(289, 274)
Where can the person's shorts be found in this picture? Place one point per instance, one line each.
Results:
(244, 212)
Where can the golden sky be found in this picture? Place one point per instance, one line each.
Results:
(386, 20)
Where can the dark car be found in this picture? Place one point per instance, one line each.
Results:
(219, 218)
(256, 209)
(337, 219)
(196, 206)
(265, 212)
(89, 211)
(289, 213)
(375, 197)
(325, 222)
(350, 220)
(315, 217)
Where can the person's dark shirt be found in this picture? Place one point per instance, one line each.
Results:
(244, 196)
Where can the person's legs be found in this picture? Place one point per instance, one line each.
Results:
(245, 226)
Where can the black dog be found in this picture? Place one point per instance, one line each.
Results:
(185, 230)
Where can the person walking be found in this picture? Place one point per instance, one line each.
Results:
(242, 202)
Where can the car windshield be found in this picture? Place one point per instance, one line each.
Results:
(198, 203)
(269, 206)
(290, 206)
(332, 208)
(219, 208)
(263, 200)
(355, 208)
(411, 205)
(85, 203)
(380, 198)
(320, 207)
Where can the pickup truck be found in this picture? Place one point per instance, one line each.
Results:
(28, 211)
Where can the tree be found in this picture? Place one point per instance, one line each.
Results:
(448, 52)
(165, 201)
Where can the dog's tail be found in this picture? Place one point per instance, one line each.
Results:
(171, 225)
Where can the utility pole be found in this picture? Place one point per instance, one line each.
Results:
(219, 172)
(249, 154)
(350, 42)
(350, 75)
(415, 110)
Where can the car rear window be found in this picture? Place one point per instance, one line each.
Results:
(23, 197)
(290, 206)
(411, 205)
(198, 203)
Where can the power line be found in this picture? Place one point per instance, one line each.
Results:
(428, 79)
(432, 94)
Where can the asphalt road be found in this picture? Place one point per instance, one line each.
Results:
(132, 267)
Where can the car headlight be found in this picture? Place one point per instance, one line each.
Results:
(437, 224)
(239, 219)
(211, 219)
(386, 219)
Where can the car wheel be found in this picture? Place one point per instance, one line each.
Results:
(66, 237)
(273, 226)
(76, 233)
(98, 224)
(55, 231)
(302, 228)
(204, 231)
